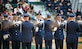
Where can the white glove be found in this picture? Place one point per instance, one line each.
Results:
(36, 29)
(55, 28)
(5, 36)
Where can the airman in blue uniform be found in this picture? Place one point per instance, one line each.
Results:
(6, 24)
(27, 32)
(72, 32)
(15, 33)
(0, 30)
(59, 35)
(48, 33)
(0, 35)
(39, 31)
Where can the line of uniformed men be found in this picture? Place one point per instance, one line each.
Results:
(11, 31)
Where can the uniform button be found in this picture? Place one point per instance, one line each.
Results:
(59, 30)
(60, 33)
(16, 33)
(40, 30)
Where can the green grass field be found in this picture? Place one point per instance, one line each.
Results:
(33, 47)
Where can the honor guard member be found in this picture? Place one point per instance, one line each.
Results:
(48, 32)
(6, 24)
(0, 30)
(0, 34)
(59, 35)
(15, 32)
(27, 32)
(39, 31)
(72, 32)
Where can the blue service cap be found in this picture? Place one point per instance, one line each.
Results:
(48, 14)
(71, 15)
(26, 15)
(5, 15)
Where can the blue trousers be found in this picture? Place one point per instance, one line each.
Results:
(15, 44)
(5, 44)
(0, 43)
(59, 43)
(48, 44)
(28, 45)
(38, 46)
(72, 45)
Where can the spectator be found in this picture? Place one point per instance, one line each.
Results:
(14, 1)
(31, 9)
(18, 10)
(62, 1)
(61, 6)
(58, 9)
(79, 18)
(2, 8)
(8, 6)
(5, 1)
(25, 7)
(21, 9)
(67, 7)
(48, 4)
(69, 11)
(55, 4)
(78, 13)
